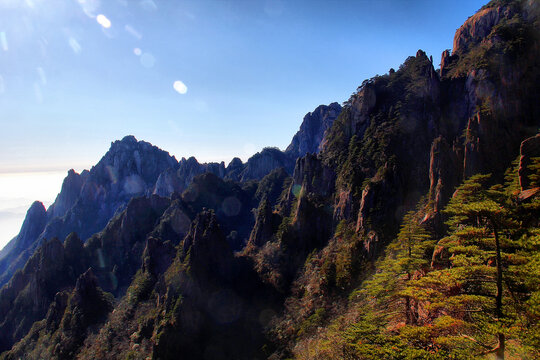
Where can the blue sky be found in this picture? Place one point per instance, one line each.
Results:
(70, 86)
(78, 74)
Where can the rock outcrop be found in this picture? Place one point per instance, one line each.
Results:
(529, 149)
(17, 251)
(313, 129)
(88, 201)
(479, 26)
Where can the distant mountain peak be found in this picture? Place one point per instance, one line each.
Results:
(313, 130)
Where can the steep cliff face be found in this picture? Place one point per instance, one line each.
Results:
(71, 189)
(313, 129)
(200, 274)
(27, 296)
(88, 201)
(15, 254)
(379, 146)
(133, 168)
(71, 317)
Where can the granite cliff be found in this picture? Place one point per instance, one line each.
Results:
(280, 257)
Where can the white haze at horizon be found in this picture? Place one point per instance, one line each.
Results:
(17, 193)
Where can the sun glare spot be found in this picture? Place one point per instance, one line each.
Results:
(74, 45)
(2, 86)
(3, 41)
(180, 87)
(41, 74)
(130, 30)
(148, 60)
(89, 7)
(137, 51)
(103, 21)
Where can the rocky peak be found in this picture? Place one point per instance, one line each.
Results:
(209, 252)
(87, 305)
(313, 129)
(33, 225)
(262, 163)
(234, 164)
(265, 225)
(311, 174)
(130, 166)
(478, 27)
(157, 256)
(71, 189)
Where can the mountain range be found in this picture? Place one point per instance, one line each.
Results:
(371, 236)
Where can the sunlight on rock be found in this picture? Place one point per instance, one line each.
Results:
(103, 21)
(3, 41)
(74, 45)
(148, 60)
(180, 87)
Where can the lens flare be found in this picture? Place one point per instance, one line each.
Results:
(74, 45)
(103, 21)
(148, 60)
(3, 41)
(180, 87)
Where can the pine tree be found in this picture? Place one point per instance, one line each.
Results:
(406, 256)
(470, 288)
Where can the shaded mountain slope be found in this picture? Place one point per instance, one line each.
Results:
(245, 266)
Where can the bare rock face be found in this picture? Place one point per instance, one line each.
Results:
(167, 183)
(15, 254)
(362, 103)
(234, 169)
(157, 256)
(27, 296)
(262, 163)
(478, 26)
(266, 223)
(209, 253)
(313, 129)
(343, 205)
(444, 172)
(87, 306)
(71, 189)
(530, 148)
(116, 251)
(88, 201)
